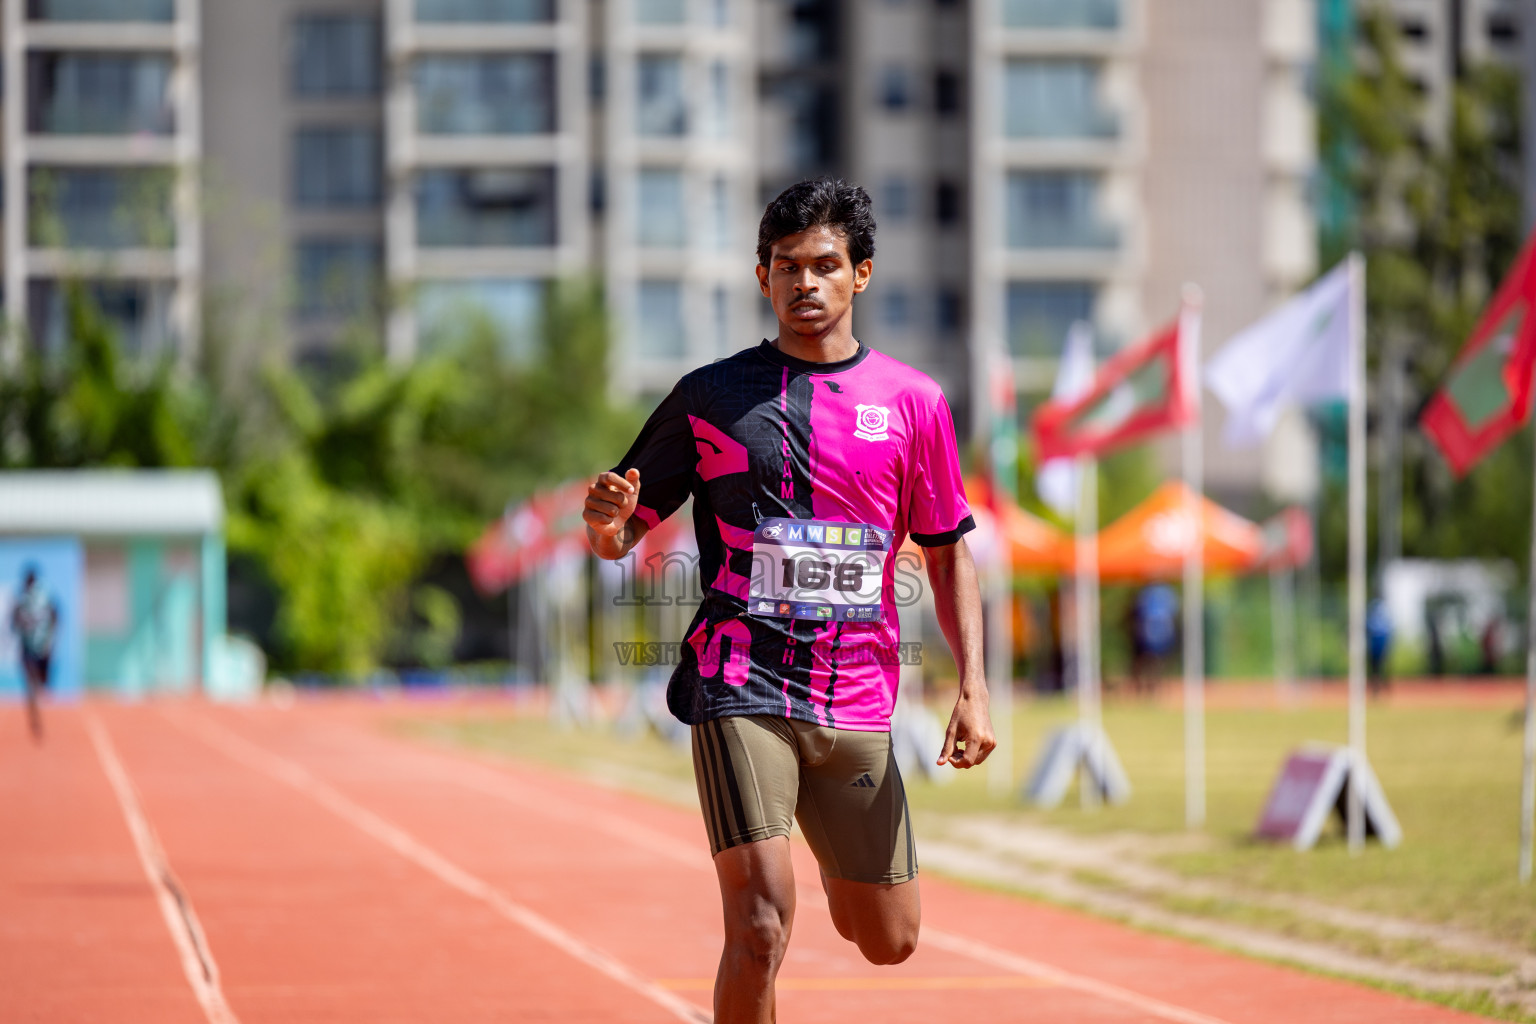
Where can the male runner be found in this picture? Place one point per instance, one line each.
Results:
(809, 459)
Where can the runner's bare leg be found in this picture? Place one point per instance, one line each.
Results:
(757, 891)
(34, 711)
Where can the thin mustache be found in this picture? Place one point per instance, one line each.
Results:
(816, 303)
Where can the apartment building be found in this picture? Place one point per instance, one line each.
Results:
(412, 166)
(102, 133)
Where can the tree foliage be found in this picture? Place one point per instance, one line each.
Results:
(340, 486)
(1437, 214)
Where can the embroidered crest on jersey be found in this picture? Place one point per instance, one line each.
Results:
(873, 423)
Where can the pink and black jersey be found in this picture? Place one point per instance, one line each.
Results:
(763, 436)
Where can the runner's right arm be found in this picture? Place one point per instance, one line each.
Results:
(666, 453)
(613, 529)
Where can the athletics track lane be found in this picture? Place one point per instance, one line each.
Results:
(311, 916)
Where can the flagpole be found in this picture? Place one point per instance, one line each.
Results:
(1356, 809)
(1088, 708)
(1528, 768)
(1194, 569)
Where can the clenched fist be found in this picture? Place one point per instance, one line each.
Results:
(610, 503)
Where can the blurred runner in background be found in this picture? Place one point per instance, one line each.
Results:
(34, 620)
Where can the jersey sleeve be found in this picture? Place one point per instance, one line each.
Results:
(665, 455)
(937, 512)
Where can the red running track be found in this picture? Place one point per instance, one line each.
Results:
(305, 866)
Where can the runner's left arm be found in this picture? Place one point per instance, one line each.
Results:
(957, 599)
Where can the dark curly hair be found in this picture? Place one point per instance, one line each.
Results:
(816, 201)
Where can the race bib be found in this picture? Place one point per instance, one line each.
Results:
(810, 569)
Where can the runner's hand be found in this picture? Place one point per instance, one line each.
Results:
(971, 725)
(611, 501)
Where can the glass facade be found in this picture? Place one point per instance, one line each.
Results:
(100, 208)
(476, 208)
(491, 11)
(338, 166)
(101, 10)
(99, 94)
(338, 277)
(337, 55)
(661, 12)
(662, 103)
(661, 218)
(451, 312)
(1056, 14)
(1040, 312)
(1055, 98)
(486, 94)
(661, 333)
(1056, 210)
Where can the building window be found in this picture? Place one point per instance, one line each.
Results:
(661, 221)
(339, 165)
(503, 207)
(661, 12)
(99, 94)
(718, 122)
(1054, 98)
(947, 310)
(663, 105)
(137, 312)
(1057, 14)
(100, 208)
(337, 277)
(946, 203)
(896, 308)
(449, 313)
(101, 10)
(483, 94)
(1039, 314)
(895, 88)
(489, 11)
(660, 334)
(1504, 27)
(337, 55)
(946, 93)
(1056, 210)
(895, 199)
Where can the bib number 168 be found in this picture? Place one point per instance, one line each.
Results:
(811, 574)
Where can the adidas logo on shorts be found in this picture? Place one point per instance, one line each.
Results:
(864, 782)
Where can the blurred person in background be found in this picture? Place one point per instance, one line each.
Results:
(795, 451)
(34, 620)
(1378, 645)
(1153, 627)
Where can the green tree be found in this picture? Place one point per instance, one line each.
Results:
(1437, 216)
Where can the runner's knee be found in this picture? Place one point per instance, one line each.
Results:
(887, 949)
(759, 936)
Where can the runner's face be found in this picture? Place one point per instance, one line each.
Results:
(811, 280)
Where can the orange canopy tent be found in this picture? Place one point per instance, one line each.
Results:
(1151, 540)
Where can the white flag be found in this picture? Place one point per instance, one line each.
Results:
(1297, 355)
(1056, 480)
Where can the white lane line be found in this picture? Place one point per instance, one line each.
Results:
(1065, 979)
(291, 773)
(196, 959)
(487, 779)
